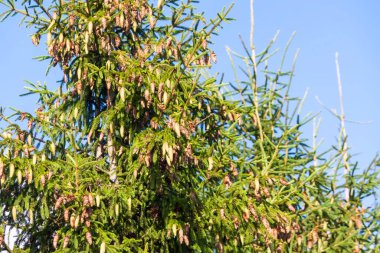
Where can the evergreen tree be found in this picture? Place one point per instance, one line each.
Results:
(139, 150)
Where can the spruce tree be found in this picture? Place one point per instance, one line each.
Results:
(139, 150)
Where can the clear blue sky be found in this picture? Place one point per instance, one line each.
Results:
(323, 27)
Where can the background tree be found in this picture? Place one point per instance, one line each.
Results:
(140, 150)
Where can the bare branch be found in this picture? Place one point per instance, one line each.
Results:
(343, 129)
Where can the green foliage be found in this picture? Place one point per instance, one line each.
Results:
(140, 151)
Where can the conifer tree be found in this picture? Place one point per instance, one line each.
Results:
(139, 151)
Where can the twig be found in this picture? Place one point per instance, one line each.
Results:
(254, 86)
(343, 129)
(44, 9)
(315, 135)
(252, 23)
(335, 114)
(6, 119)
(253, 56)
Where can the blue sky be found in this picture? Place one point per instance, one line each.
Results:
(323, 27)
